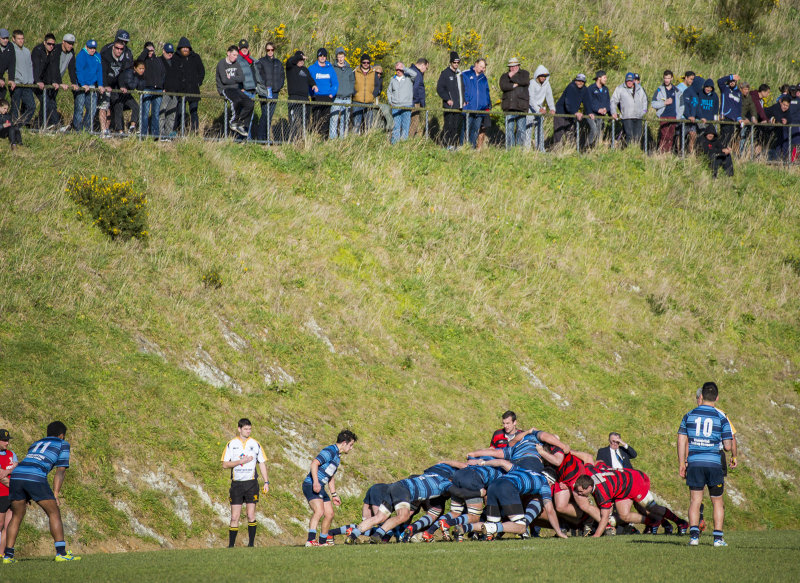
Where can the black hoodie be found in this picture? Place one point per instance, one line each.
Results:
(189, 70)
(154, 71)
(298, 80)
(713, 147)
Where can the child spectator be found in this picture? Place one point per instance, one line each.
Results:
(131, 80)
(8, 129)
(717, 152)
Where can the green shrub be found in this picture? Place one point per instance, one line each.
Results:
(115, 207)
(211, 278)
(685, 37)
(601, 49)
(744, 14)
(709, 46)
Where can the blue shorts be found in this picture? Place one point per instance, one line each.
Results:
(376, 494)
(503, 499)
(530, 462)
(26, 490)
(697, 478)
(468, 480)
(308, 492)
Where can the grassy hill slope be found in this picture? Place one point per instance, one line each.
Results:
(408, 293)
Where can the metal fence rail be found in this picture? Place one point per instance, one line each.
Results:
(208, 116)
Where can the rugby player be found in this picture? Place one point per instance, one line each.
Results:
(501, 437)
(241, 456)
(699, 436)
(322, 472)
(434, 507)
(522, 449)
(29, 482)
(569, 466)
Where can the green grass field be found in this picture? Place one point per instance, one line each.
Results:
(751, 556)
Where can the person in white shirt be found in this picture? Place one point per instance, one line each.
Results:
(241, 456)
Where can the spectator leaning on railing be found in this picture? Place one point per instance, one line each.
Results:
(368, 87)
(629, 102)
(346, 78)
(63, 63)
(326, 86)
(89, 74)
(599, 101)
(23, 105)
(476, 98)
(46, 78)
(400, 94)
(730, 106)
(539, 94)
(298, 83)
(191, 72)
(691, 100)
(416, 126)
(230, 81)
(515, 102)
(7, 62)
(668, 103)
(154, 74)
(273, 77)
(115, 67)
(169, 104)
(572, 99)
(451, 89)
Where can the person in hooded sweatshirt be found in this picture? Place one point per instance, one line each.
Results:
(540, 95)
(327, 84)
(719, 154)
(708, 107)
(691, 101)
(299, 84)
(190, 72)
(730, 106)
(89, 74)
(572, 99)
(154, 76)
(629, 102)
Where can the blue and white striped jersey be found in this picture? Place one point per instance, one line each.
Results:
(426, 486)
(43, 456)
(528, 482)
(706, 429)
(444, 470)
(329, 461)
(526, 447)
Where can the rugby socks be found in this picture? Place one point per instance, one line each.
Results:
(717, 535)
(379, 531)
(9, 553)
(669, 515)
(340, 529)
(421, 524)
(251, 533)
(355, 532)
(312, 534)
(694, 531)
(61, 547)
(468, 528)
(232, 532)
(323, 537)
(499, 527)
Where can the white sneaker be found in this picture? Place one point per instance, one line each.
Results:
(720, 542)
(693, 542)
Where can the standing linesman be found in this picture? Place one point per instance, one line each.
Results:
(241, 456)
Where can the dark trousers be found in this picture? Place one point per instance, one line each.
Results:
(265, 122)
(726, 132)
(633, 130)
(321, 114)
(666, 134)
(47, 96)
(298, 118)
(242, 106)
(562, 126)
(726, 162)
(194, 119)
(23, 105)
(119, 103)
(13, 134)
(451, 131)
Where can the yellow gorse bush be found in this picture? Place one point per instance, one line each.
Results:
(115, 207)
(354, 45)
(601, 49)
(468, 46)
(685, 37)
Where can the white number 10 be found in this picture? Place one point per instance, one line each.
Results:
(708, 426)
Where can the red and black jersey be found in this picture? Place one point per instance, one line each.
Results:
(596, 468)
(570, 469)
(499, 439)
(612, 485)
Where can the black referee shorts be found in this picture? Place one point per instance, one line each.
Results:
(243, 492)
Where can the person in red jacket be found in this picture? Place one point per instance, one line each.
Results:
(8, 461)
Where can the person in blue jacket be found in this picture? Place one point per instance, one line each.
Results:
(691, 102)
(89, 71)
(707, 109)
(730, 106)
(327, 83)
(476, 98)
(599, 106)
(570, 102)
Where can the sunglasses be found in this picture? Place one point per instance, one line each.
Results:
(50, 44)
(270, 50)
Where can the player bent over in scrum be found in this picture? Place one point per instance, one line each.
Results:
(434, 507)
(321, 474)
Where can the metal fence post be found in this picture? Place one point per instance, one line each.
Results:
(427, 135)
(183, 116)
(225, 119)
(305, 137)
(43, 127)
(270, 111)
(752, 148)
(683, 140)
(645, 135)
(93, 109)
(613, 134)
(141, 115)
(578, 134)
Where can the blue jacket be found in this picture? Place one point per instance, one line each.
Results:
(324, 78)
(476, 91)
(691, 97)
(599, 97)
(571, 100)
(708, 106)
(419, 87)
(89, 69)
(730, 99)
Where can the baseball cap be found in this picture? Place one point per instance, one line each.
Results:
(4, 33)
(323, 52)
(122, 35)
(580, 77)
(91, 44)
(168, 48)
(629, 76)
(243, 44)
(637, 77)
(4, 435)
(69, 38)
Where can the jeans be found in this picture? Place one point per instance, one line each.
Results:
(167, 113)
(340, 118)
(633, 130)
(402, 121)
(515, 130)
(85, 106)
(595, 130)
(534, 133)
(265, 122)
(151, 107)
(362, 115)
(472, 123)
(22, 115)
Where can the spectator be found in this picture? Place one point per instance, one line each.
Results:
(172, 84)
(476, 98)
(691, 101)
(346, 80)
(248, 66)
(630, 103)
(44, 76)
(708, 108)
(299, 83)
(273, 77)
(749, 116)
(89, 73)
(63, 62)
(617, 454)
(599, 105)
(368, 87)
(539, 94)
(730, 107)
(688, 79)
(190, 72)
(230, 83)
(130, 80)
(669, 106)
(718, 153)
(778, 138)
(154, 75)
(515, 102)
(400, 95)
(759, 99)
(10, 130)
(450, 88)
(127, 55)
(327, 86)
(572, 99)
(7, 62)
(416, 127)
(115, 68)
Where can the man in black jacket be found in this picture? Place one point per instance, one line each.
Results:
(717, 152)
(46, 81)
(7, 62)
(417, 125)
(575, 95)
(153, 81)
(298, 83)
(191, 72)
(450, 88)
(618, 454)
(778, 138)
(270, 70)
(115, 68)
(169, 103)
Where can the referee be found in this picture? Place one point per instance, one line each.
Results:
(241, 456)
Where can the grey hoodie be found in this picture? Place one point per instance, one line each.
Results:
(24, 73)
(401, 89)
(347, 80)
(539, 94)
(229, 75)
